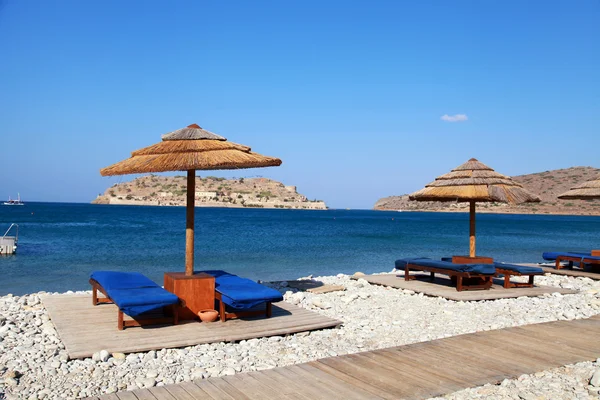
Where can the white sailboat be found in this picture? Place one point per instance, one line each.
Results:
(17, 202)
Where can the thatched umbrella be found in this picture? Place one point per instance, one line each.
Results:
(474, 181)
(585, 191)
(189, 149)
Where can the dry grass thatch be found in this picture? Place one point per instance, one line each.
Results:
(586, 191)
(474, 181)
(188, 149)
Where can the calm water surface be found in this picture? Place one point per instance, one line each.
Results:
(60, 244)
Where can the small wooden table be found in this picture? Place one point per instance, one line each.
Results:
(472, 260)
(196, 291)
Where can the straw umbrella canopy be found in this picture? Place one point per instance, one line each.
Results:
(586, 191)
(471, 182)
(189, 149)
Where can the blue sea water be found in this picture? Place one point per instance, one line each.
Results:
(60, 243)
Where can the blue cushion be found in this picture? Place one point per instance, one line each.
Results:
(551, 256)
(595, 258)
(242, 293)
(522, 269)
(133, 292)
(483, 269)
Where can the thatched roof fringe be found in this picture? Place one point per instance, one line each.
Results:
(181, 146)
(209, 160)
(472, 174)
(584, 191)
(472, 181)
(496, 193)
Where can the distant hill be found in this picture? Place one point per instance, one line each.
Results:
(210, 192)
(547, 185)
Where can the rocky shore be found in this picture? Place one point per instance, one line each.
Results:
(35, 365)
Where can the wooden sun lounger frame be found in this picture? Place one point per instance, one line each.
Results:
(570, 259)
(122, 323)
(454, 275)
(238, 314)
(508, 273)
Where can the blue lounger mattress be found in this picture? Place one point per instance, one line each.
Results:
(133, 292)
(521, 269)
(552, 255)
(483, 269)
(524, 270)
(242, 293)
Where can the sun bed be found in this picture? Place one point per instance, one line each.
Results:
(242, 295)
(570, 257)
(466, 276)
(135, 295)
(509, 270)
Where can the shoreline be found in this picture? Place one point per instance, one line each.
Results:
(36, 364)
(484, 211)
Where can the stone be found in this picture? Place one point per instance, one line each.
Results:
(119, 356)
(595, 380)
(104, 355)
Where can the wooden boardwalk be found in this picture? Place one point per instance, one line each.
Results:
(442, 287)
(85, 329)
(416, 371)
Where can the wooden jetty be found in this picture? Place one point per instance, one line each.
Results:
(85, 329)
(416, 371)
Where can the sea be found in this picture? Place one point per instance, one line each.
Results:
(60, 244)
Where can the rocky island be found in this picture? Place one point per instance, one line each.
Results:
(210, 192)
(547, 185)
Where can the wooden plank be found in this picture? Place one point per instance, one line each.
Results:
(252, 387)
(372, 374)
(161, 393)
(144, 394)
(338, 386)
(284, 389)
(373, 389)
(195, 391)
(127, 395)
(212, 390)
(307, 386)
(179, 392)
(227, 391)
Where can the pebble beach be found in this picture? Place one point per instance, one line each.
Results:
(34, 363)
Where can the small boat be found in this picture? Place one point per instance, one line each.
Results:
(17, 202)
(8, 244)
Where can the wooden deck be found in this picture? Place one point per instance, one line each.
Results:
(576, 272)
(416, 371)
(442, 287)
(85, 329)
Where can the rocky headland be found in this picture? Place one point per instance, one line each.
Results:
(210, 191)
(547, 185)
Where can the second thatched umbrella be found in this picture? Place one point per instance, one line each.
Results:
(472, 182)
(585, 191)
(189, 149)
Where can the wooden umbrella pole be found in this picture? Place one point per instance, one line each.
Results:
(472, 229)
(189, 222)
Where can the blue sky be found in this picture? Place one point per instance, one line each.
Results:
(349, 94)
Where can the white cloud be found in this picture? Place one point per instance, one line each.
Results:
(454, 118)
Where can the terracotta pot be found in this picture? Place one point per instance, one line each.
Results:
(208, 315)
